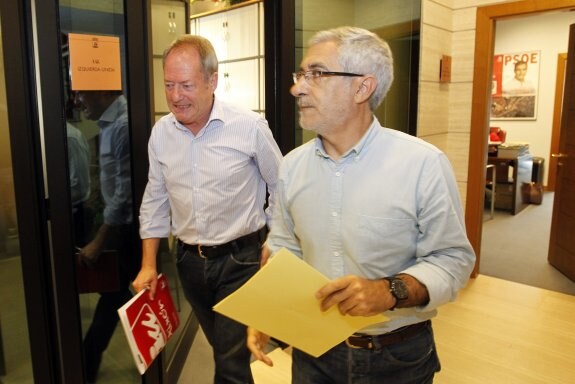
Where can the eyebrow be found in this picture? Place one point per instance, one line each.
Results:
(314, 66)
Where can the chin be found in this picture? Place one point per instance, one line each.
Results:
(180, 116)
(307, 125)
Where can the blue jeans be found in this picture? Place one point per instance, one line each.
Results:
(413, 361)
(206, 282)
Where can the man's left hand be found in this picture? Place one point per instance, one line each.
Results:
(356, 296)
(89, 254)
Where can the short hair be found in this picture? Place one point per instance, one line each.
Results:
(208, 57)
(362, 51)
(518, 63)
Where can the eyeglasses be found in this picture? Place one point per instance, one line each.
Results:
(314, 75)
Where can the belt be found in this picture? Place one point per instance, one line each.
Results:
(359, 341)
(210, 251)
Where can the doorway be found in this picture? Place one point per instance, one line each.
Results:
(484, 49)
(515, 246)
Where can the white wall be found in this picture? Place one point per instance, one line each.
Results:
(548, 33)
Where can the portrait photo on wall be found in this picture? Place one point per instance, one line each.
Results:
(514, 85)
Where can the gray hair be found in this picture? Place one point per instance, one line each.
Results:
(361, 51)
(205, 49)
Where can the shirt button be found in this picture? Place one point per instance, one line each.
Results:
(336, 253)
(334, 214)
(338, 174)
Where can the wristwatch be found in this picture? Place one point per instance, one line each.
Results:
(398, 289)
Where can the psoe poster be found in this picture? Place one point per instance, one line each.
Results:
(95, 62)
(514, 85)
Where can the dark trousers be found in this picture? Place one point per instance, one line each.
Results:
(102, 329)
(413, 361)
(105, 318)
(205, 282)
(83, 220)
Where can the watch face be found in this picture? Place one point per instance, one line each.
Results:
(398, 289)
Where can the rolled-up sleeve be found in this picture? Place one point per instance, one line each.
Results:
(445, 258)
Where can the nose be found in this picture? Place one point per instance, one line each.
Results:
(298, 89)
(174, 92)
(78, 101)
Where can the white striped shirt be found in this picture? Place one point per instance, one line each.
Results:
(212, 186)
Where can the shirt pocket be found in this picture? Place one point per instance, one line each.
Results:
(385, 241)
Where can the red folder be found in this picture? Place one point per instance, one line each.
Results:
(149, 324)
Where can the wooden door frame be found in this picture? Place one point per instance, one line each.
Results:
(556, 127)
(484, 45)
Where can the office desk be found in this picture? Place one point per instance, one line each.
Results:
(510, 174)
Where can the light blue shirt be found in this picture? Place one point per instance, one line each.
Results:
(214, 183)
(79, 164)
(390, 205)
(115, 176)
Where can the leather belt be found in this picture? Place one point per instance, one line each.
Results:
(360, 341)
(210, 251)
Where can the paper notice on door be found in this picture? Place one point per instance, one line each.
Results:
(95, 63)
(280, 301)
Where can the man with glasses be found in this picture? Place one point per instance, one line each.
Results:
(375, 210)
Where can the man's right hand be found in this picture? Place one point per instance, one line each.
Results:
(146, 279)
(256, 343)
(148, 276)
(265, 255)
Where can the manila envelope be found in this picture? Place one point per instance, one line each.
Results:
(279, 300)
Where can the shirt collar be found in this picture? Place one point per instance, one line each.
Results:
(113, 111)
(367, 138)
(357, 148)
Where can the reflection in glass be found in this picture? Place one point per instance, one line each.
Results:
(397, 22)
(101, 193)
(110, 238)
(15, 358)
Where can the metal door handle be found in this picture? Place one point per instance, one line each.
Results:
(559, 155)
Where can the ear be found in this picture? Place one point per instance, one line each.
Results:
(213, 81)
(365, 88)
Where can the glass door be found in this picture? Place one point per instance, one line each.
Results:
(105, 253)
(51, 219)
(69, 190)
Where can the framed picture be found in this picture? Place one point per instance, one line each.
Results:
(514, 86)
